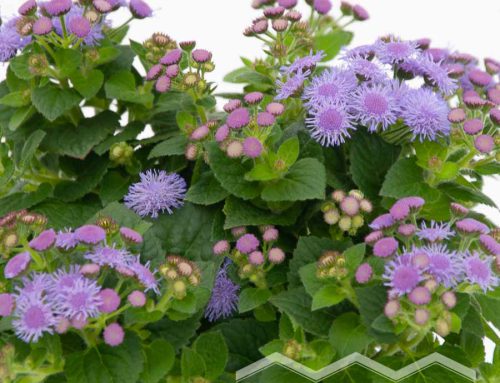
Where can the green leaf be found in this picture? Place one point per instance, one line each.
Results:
(309, 279)
(78, 141)
(206, 191)
(488, 169)
(289, 151)
(348, 335)
(113, 187)
(30, 147)
(18, 201)
(16, 99)
(20, 66)
(159, 359)
(88, 83)
(105, 364)
(20, 116)
(122, 86)
(244, 337)
(241, 213)
(370, 157)
(192, 364)
(187, 305)
(448, 171)
(305, 180)
(63, 215)
(276, 345)
(354, 256)
(53, 102)
(67, 61)
(93, 169)
(247, 76)
(329, 295)
(230, 173)
(429, 150)
(405, 178)
(107, 54)
(213, 349)
(252, 297)
(490, 308)
(129, 133)
(177, 333)
(297, 304)
(466, 194)
(173, 146)
(332, 42)
(262, 171)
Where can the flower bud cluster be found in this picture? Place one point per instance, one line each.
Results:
(428, 263)
(253, 257)
(346, 210)
(15, 229)
(180, 274)
(177, 66)
(331, 264)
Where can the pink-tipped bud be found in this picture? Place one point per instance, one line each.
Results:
(276, 255)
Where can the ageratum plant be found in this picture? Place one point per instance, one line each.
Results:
(327, 209)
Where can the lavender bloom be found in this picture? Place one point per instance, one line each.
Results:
(396, 51)
(478, 271)
(383, 221)
(32, 318)
(140, 9)
(401, 275)
(362, 51)
(63, 280)
(16, 265)
(435, 232)
(10, 41)
(44, 240)
(489, 244)
(292, 86)
(367, 70)
(94, 34)
(81, 301)
(425, 113)
(444, 265)
(330, 123)
(34, 286)
(145, 276)
(472, 226)
(247, 243)
(330, 85)
(58, 7)
(90, 234)
(109, 256)
(224, 299)
(156, 192)
(66, 240)
(304, 64)
(436, 74)
(113, 335)
(375, 106)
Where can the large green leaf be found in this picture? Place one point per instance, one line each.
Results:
(63, 215)
(159, 357)
(348, 334)
(105, 364)
(30, 147)
(212, 347)
(78, 141)
(67, 61)
(114, 186)
(326, 296)
(297, 304)
(53, 102)
(122, 86)
(231, 172)
(206, 191)
(371, 157)
(241, 213)
(305, 180)
(18, 201)
(332, 42)
(252, 297)
(170, 147)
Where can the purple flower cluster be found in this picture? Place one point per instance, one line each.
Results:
(10, 40)
(430, 261)
(42, 302)
(369, 89)
(224, 299)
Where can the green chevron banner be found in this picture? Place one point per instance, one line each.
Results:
(277, 368)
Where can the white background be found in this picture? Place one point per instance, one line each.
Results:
(217, 25)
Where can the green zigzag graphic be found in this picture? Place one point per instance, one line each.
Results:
(355, 359)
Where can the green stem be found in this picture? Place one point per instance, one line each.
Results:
(63, 26)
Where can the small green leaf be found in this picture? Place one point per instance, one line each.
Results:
(448, 171)
(252, 297)
(354, 256)
(332, 42)
(67, 61)
(53, 102)
(122, 86)
(30, 147)
(289, 151)
(20, 66)
(309, 279)
(192, 363)
(262, 172)
(305, 180)
(89, 83)
(348, 335)
(230, 173)
(16, 99)
(276, 345)
(329, 295)
(207, 191)
(242, 213)
(173, 146)
(20, 116)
